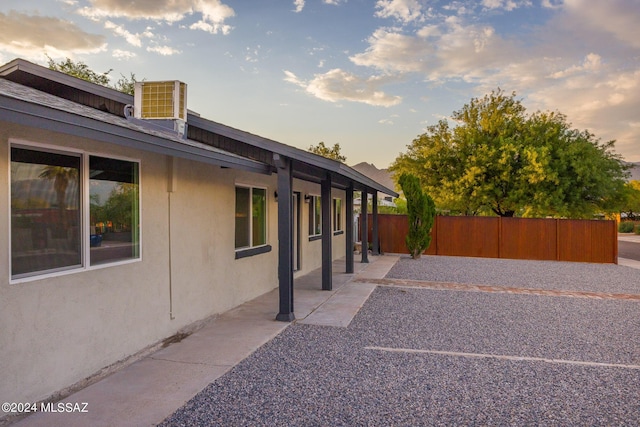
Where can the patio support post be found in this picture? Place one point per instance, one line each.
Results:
(327, 233)
(285, 237)
(349, 229)
(364, 228)
(374, 233)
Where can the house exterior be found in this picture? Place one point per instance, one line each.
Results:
(118, 234)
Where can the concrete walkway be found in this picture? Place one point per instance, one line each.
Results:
(149, 390)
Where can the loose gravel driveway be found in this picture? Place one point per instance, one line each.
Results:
(420, 356)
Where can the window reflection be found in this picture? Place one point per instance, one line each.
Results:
(45, 211)
(114, 210)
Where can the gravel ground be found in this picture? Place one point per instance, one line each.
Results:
(571, 276)
(326, 376)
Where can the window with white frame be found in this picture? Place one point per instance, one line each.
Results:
(49, 208)
(315, 216)
(251, 217)
(337, 215)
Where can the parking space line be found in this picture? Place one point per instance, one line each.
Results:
(502, 357)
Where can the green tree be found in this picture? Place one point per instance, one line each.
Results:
(126, 84)
(500, 160)
(631, 200)
(330, 153)
(82, 71)
(120, 206)
(421, 214)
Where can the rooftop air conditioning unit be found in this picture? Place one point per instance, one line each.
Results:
(164, 102)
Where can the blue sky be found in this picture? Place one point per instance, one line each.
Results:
(369, 75)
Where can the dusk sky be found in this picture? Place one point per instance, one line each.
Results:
(369, 75)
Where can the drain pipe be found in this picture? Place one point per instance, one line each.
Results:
(171, 187)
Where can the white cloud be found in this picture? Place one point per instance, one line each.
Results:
(592, 62)
(133, 39)
(552, 4)
(163, 50)
(391, 51)
(31, 36)
(338, 85)
(507, 5)
(252, 54)
(292, 78)
(148, 33)
(211, 28)
(617, 17)
(299, 5)
(123, 54)
(213, 12)
(448, 49)
(402, 10)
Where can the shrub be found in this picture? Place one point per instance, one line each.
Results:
(421, 211)
(626, 227)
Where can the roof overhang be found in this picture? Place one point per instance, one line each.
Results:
(306, 165)
(108, 129)
(36, 76)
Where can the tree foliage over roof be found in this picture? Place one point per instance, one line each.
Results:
(330, 153)
(500, 160)
(82, 71)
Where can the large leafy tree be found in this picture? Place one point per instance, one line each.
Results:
(328, 152)
(500, 160)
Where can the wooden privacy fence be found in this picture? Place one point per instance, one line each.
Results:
(516, 238)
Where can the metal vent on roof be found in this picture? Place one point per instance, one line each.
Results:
(165, 100)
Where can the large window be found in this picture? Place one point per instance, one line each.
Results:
(315, 216)
(337, 215)
(251, 217)
(48, 211)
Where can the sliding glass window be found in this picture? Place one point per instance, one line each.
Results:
(48, 211)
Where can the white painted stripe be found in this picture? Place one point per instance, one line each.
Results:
(503, 357)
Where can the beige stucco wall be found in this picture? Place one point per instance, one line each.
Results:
(311, 251)
(59, 330)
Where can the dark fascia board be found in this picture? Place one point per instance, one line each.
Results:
(51, 119)
(18, 66)
(360, 181)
